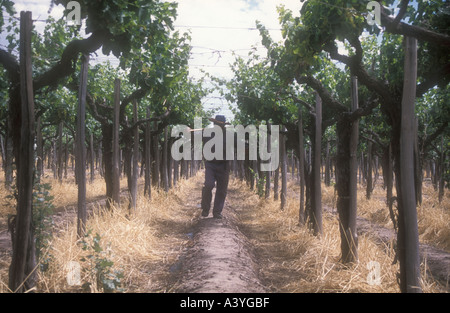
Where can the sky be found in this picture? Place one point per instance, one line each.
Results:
(221, 27)
(217, 27)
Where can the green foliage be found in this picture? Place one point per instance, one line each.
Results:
(392, 60)
(4, 98)
(127, 24)
(7, 6)
(101, 84)
(99, 266)
(42, 222)
(259, 93)
(161, 65)
(56, 35)
(432, 111)
(260, 182)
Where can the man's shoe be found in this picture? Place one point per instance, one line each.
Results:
(218, 216)
(205, 214)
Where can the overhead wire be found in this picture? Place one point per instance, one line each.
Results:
(224, 27)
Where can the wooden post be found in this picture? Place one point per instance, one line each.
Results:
(115, 145)
(191, 162)
(353, 187)
(301, 168)
(100, 159)
(276, 182)
(148, 157)
(39, 150)
(165, 164)
(66, 156)
(2, 146)
(170, 166)
(369, 186)
(60, 152)
(441, 171)
(133, 190)
(327, 165)
(389, 176)
(292, 160)
(9, 155)
(283, 168)
(156, 172)
(269, 149)
(316, 198)
(80, 154)
(54, 159)
(252, 174)
(418, 163)
(410, 243)
(22, 275)
(176, 172)
(92, 153)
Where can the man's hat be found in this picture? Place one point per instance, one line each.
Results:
(219, 120)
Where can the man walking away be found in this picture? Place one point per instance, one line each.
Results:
(216, 175)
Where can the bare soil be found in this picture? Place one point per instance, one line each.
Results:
(219, 261)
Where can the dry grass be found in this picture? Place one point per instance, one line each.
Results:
(433, 217)
(293, 260)
(140, 245)
(64, 193)
(7, 206)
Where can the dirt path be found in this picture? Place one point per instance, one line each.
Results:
(219, 259)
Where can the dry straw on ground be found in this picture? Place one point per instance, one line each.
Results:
(293, 260)
(140, 244)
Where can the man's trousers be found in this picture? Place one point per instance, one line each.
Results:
(216, 175)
